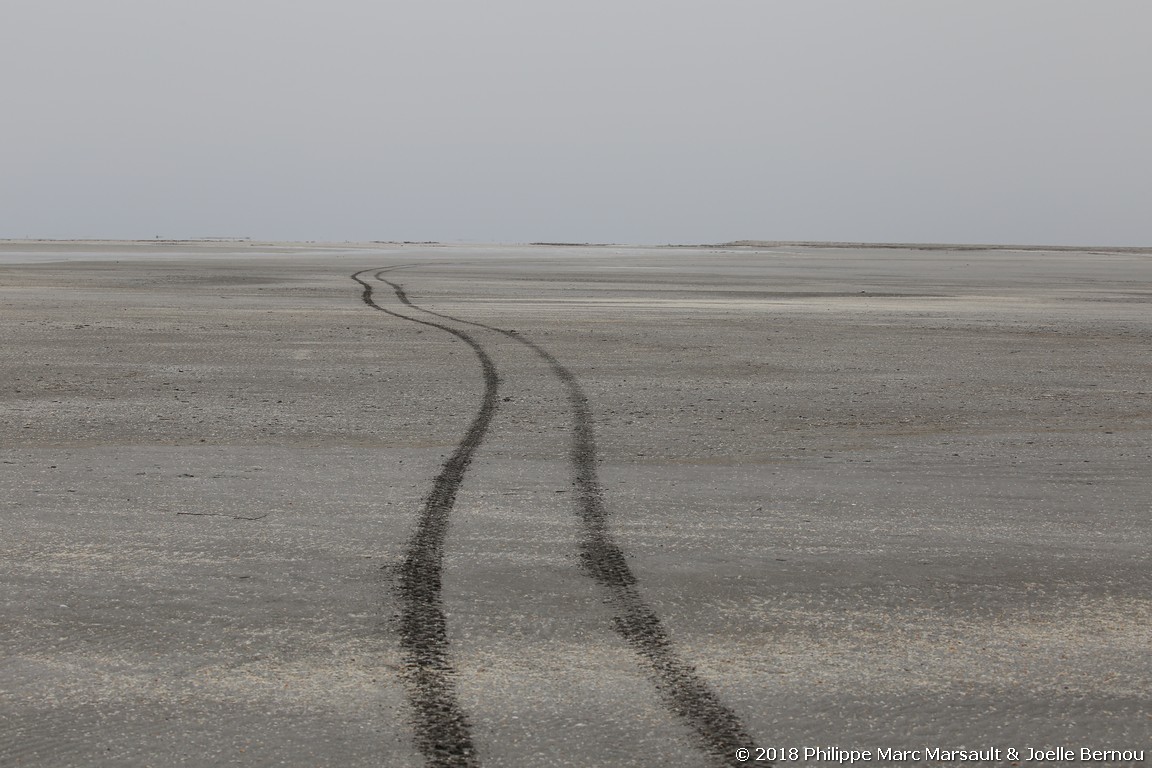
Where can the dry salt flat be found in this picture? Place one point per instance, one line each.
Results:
(388, 504)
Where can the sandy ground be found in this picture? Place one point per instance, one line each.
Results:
(875, 498)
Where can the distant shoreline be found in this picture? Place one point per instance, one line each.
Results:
(742, 244)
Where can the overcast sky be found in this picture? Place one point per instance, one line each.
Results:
(645, 121)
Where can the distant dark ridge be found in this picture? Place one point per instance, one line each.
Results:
(926, 246)
(192, 240)
(573, 245)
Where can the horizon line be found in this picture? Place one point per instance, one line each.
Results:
(742, 244)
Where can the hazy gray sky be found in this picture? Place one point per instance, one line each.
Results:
(648, 121)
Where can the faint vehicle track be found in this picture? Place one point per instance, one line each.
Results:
(442, 728)
(716, 727)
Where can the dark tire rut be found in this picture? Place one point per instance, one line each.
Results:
(717, 728)
(443, 733)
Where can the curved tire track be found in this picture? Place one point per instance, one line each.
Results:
(443, 732)
(717, 728)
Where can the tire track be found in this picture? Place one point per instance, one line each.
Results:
(717, 728)
(443, 733)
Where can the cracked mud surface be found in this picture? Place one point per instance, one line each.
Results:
(870, 497)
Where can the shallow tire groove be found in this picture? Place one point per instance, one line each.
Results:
(443, 732)
(717, 728)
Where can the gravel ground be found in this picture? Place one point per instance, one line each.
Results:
(842, 497)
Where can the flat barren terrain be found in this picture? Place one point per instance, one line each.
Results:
(396, 505)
